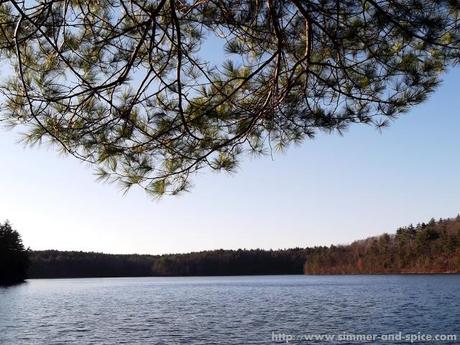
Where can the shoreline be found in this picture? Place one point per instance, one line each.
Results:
(257, 275)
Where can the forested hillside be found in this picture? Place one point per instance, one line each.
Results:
(58, 264)
(424, 248)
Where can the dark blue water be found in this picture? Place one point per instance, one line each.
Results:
(233, 310)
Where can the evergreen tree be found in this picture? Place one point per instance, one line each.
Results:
(126, 85)
(429, 248)
(14, 259)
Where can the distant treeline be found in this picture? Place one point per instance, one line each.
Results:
(425, 248)
(61, 264)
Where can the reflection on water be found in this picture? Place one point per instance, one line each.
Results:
(226, 310)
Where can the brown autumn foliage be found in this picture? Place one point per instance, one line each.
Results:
(424, 248)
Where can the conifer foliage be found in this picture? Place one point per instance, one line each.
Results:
(14, 259)
(130, 86)
(432, 247)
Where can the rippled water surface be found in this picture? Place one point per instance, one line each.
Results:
(229, 310)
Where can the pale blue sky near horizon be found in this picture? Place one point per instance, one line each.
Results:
(331, 190)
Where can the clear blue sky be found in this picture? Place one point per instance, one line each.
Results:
(332, 190)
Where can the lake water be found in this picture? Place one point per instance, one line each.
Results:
(233, 310)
